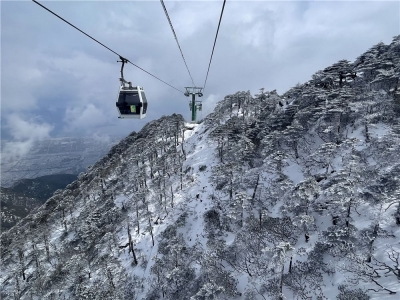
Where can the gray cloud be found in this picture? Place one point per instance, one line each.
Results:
(25, 132)
(51, 71)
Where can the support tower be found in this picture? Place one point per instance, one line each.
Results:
(194, 105)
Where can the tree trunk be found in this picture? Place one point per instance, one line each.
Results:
(17, 287)
(296, 152)
(348, 215)
(151, 231)
(231, 186)
(307, 237)
(134, 255)
(183, 140)
(255, 189)
(181, 175)
(367, 137)
(137, 218)
(397, 216)
(281, 284)
(172, 198)
(131, 246)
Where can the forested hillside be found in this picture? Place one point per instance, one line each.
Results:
(14, 207)
(27, 194)
(293, 196)
(42, 187)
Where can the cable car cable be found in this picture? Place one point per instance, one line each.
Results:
(176, 38)
(216, 36)
(155, 77)
(104, 45)
(75, 27)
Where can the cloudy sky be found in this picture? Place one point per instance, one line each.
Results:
(57, 82)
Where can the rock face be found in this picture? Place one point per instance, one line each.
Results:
(292, 196)
(53, 156)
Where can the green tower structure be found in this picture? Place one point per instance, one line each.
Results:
(194, 105)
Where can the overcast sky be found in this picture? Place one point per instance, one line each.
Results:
(57, 82)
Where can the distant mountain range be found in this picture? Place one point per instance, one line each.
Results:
(28, 194)
(54, 156)
(51, 164)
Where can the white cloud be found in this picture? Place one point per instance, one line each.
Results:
(101, 137)
(22, 128)
(209, 103)
(25, 131)
(84, 118)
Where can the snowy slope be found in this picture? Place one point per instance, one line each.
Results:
(270, 197)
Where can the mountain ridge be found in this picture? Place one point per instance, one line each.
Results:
(269, 197)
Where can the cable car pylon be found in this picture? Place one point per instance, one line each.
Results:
(194, 105)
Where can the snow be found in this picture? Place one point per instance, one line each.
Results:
(198, 154)
(294, 172)
(120, 200)
(378, 130)
(356, 133)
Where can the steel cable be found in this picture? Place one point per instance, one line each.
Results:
(176, 38)
(215, 41)
(104, 45)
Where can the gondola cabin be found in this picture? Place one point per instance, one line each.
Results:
(131, 102)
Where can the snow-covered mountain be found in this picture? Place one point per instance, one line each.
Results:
(52, 156)
(270, 197)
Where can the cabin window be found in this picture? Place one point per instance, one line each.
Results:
(131, 98)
